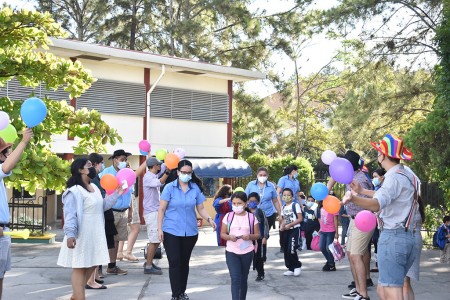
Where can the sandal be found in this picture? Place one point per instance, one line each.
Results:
(130, 257)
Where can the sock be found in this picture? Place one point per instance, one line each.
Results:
(111, 265)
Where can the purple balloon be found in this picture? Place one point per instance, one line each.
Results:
(4, 120)
(341, 170)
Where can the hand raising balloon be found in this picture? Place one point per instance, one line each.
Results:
(27, 135)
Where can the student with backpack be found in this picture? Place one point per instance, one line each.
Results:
(311, 222)
(290, 224)
(239, 230)
(258, 262)
(443, 240)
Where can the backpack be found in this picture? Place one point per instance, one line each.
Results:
(436, 241)
(337, 251)
(251, 223)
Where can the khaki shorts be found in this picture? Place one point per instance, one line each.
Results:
(358, 241)
(151, 220)
(120, 221)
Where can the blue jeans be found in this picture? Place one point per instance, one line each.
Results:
(239, 267)
(395, 256)
(344, 232)
(327, 238)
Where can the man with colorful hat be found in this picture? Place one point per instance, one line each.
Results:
(396, 199)
(8, 161)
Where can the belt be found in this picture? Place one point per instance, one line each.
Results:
(4, 225)
(120, 210)
(353, 217)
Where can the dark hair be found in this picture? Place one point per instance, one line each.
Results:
(302, 197)
(223, 192)
(95, 158)
(421, 209)
(240, 195)
(309, 196)
(255, 195)
(4, 151)
(262, 169)
(446, 219)
(289, 190)
(194, 179)
(75, 179)
(394, 160)
(287, 170)
(380, 171)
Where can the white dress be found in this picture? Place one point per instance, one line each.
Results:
(90, 249)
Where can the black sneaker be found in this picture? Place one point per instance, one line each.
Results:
(152, 271)
(332, 268)
(259, 278)
(351, 295)
(369, 282)
(326, 267)
(352, 285)
(183, 296)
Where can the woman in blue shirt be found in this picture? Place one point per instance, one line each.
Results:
(177, 224)
(270, 203)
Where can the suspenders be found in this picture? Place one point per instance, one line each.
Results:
(407, 221)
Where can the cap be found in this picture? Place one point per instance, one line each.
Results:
(151, 161)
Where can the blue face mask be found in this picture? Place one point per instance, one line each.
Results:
(309, 204)
(185, 177)
(295, 175)
(122, 165)
(252, 205)
(376, 181)
(103, 167)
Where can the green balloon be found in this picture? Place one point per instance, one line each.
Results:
(161, 154)
(9, 134)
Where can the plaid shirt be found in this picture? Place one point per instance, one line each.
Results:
(361, 178)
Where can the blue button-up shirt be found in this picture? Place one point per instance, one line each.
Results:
(293, 184)
(124, 201)
(267, 193)
(180, 218)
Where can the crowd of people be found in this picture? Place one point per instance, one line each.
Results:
(98, 222)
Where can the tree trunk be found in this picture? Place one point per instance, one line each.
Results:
(133, 25)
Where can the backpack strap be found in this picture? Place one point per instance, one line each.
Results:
(251, 222)
(407, 221)
(229, 220)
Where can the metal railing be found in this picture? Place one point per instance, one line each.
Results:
(28, 211)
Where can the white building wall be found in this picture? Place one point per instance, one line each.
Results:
(190, 82)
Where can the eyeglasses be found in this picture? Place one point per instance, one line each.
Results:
(186, 173)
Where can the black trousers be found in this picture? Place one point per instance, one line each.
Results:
(178, 251)
(271, 221)
(308, 234)
(258, 262)
(292, 243)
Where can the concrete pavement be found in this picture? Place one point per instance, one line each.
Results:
(35, 275)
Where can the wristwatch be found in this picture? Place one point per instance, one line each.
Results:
(209, 218)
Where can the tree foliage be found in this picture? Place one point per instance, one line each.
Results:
(22, 36)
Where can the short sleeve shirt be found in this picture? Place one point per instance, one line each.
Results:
(361, 178)
(287, 182)
(327, 221)
(180, 218)
(125, 199)
(151, 185)
(239, 226)
(4, 209)
(266, 193)
(289, 215)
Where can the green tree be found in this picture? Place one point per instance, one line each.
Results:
(22, 35)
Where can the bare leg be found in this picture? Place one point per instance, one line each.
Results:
(393, 293)
(366, 258)
(78, 283)
(132, 236)
(120, 250)
(408, 292)
(151, 253)
(359, 271)
(91, 280)
(352, 268)
(380, 292)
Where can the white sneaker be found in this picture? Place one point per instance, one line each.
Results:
(297, 271)
(288, 273)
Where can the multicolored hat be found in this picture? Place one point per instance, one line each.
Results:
(393, 147)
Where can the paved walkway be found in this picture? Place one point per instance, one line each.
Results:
(35, 275)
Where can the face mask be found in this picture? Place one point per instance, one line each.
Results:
(252, 205)
(92, 173)
(380, 162)
(376, 181)
(185, 177)
(309, 204)
(295, 175)
(103, 167)
(303, 202)
(122, 165)
(262, 179)
(238, 209)
(287, 199)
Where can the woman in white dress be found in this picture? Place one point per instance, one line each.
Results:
(84, 246)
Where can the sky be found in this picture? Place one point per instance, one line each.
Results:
(319, 51)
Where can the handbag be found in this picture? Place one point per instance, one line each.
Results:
(158, 253)
(337, 251)
(315, 241)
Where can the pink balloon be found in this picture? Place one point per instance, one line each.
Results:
(126, 174)
(341, 170)
(180, 152)
(365, 221)
(144, 145)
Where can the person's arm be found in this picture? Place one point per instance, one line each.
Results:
(357, 188)
(336, 235)
(367, 203)
(12, 159)
(224, 231)
(277, 205)
(110, 200)
(141, 169)
(331, 183)
(279, 190)
(161, 212)
(70, 219)
(204, 214)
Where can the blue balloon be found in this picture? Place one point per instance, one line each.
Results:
(319, 191)
(33, 111)
(143, 152)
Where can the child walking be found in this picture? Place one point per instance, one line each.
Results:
(258, 262)
(292, 216)
(239, 230)
(328, 232)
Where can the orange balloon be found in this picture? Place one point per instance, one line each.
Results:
(331, 204)
(109, 182)
(171, 160)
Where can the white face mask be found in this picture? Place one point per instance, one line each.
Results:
(262, 179)
(122, 165)
(237, 209)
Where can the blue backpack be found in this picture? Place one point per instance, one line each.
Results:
(437, 242)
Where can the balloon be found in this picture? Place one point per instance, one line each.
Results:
(171, 161)
(4, 120)
(143, 152)
(319, 191)
(108, 182)
(365, 221)
(161, 154)
(180, 152)
(109, 192)
(341, 170)
(239, 189)
(9, 134)
(126, 174)
(331, 204)
(328, 156)
(144, 146)
(33, 111)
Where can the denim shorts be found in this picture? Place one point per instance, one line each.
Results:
(395, 256)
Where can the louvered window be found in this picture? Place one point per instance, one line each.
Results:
(15, 91)
(189, 105)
